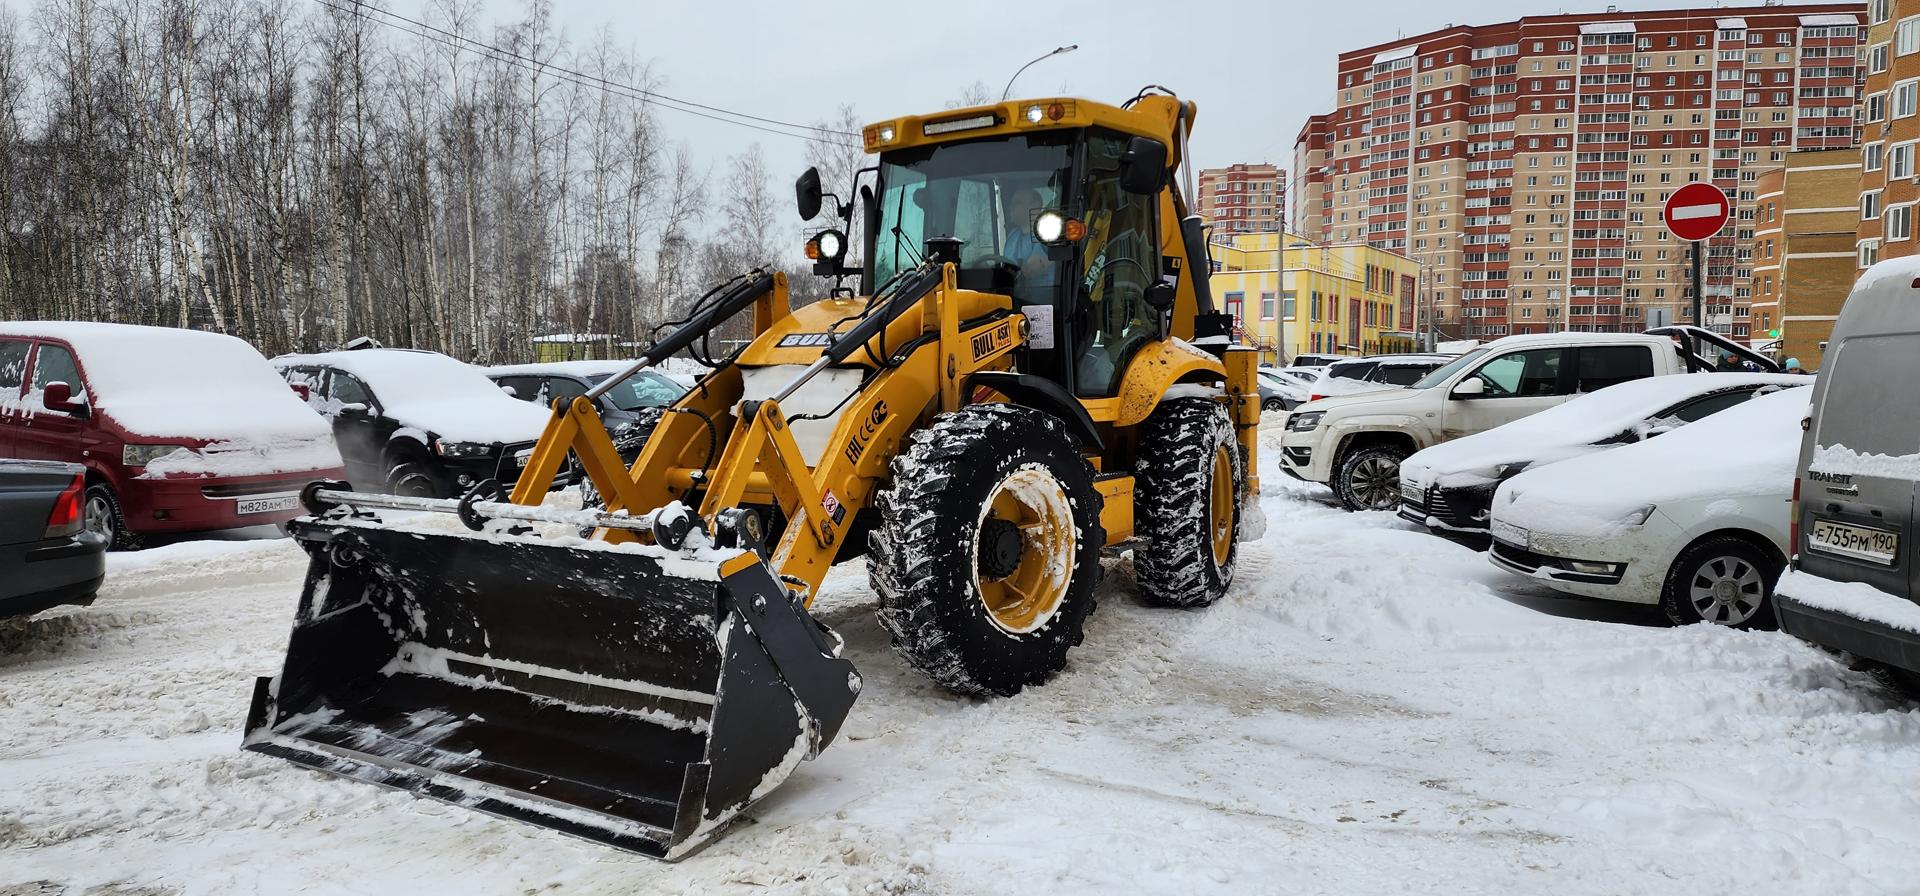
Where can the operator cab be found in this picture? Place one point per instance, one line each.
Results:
(1063, 220)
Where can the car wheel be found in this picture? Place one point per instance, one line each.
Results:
(103, 515)
(414, 480)
(1726, 581)
(1273, 404)
(1369, 478)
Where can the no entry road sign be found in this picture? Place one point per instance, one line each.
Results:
(1697, 211)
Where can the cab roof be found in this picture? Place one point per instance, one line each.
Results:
(1152, 115)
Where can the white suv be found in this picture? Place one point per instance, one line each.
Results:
(1355, 443)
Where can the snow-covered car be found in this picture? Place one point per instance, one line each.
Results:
(1449, 487)
(180, 430)
(1280, 392)
(1375, 373)
(629, 409)
(1354, 444)
(1695, 521)
(415, 422)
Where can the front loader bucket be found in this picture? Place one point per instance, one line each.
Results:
(622, 694)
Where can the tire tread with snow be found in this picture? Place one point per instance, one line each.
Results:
(1173, 479)
(925, 549)
(1730, 550)
(1347, 470)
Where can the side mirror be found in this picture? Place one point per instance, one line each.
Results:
(59, 397)
(301, 389)
(1161, 295)
(1473, 387)
(355, 407)
(806, 194)
(1143, 167)
(511, 391)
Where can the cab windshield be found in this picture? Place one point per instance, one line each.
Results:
(1443, 374)
(986, 193)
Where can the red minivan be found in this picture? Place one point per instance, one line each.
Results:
(180, 431)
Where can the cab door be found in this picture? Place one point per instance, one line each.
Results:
(1118, 261)
(358, 429)
(1513, 385)
(50, 434)
(1857, 512)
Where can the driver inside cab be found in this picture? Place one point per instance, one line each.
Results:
(1035, 284)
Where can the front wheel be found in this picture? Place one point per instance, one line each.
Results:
(104, 516)
(1726, 581)
(1369, 478)
(1273, 404)
(988, 549)
(412, 479)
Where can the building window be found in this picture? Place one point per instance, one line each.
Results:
(1906, 37)
(1266, 306)
(1869, 253)
(1870, 205)
(1900, 161)
(1897, 222)
(1873, 156)
(1905, 95)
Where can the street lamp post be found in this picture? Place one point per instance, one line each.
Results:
(1056, 51)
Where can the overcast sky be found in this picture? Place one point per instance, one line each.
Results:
(1257, 69)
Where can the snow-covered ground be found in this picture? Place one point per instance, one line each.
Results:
(1371, 710)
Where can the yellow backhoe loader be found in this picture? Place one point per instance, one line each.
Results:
(1030, 371)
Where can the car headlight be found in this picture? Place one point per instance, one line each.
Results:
(1639, 517)
(141, 455)
(1502, 471)
(1306, 422)
(462, 449)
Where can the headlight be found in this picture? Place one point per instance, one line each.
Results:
(1639, 517)
(1502, 471)
(827, 245)
(141, 455)
(1306, 422)
(462, 449)
(1049, 227)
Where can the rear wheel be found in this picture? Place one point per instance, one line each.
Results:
(1369, 478)
(104, 516)
(988, 549)
(1187, 503)
(1273, 403)
(1726, 581)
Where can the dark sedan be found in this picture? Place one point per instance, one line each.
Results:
(48, 555)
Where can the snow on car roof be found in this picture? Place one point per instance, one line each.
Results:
(430, 391)
(1587, 419)
(1750, 449)
(168, 382)
(562, 368)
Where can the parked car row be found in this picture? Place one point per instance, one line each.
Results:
(172, 430)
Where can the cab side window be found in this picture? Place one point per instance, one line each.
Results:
(54, 364)
(13, 367)
(1523, 374)
(1702, 408)
(525, 388)
(562, 387)
(1607, 365)
(1399, 374)
(345, 389)
(1119, 259)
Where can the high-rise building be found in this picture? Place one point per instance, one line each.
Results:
(1309, 193)
(1890, 125)
(1525, 164)
(1243, 198)
(1804, 250)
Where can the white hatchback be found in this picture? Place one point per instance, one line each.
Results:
(1695, 521)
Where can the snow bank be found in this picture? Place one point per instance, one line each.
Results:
(1572, 429)
(1750, 449)
(437, 394)
(166, 383)
(1857, 599)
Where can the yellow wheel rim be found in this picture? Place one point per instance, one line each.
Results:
(1026, 598)
(1220, 505)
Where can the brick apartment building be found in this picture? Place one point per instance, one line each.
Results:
(1805, 249)
(1244, 198)
(1890, 127)
(1525, 164)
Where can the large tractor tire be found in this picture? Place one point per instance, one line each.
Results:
(1186, 511)
(988, 549)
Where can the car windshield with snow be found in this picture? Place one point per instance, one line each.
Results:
(1693, 521)
(414, 422)
(1449, 487)
(179, 430)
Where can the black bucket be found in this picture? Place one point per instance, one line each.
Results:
(633, 698)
